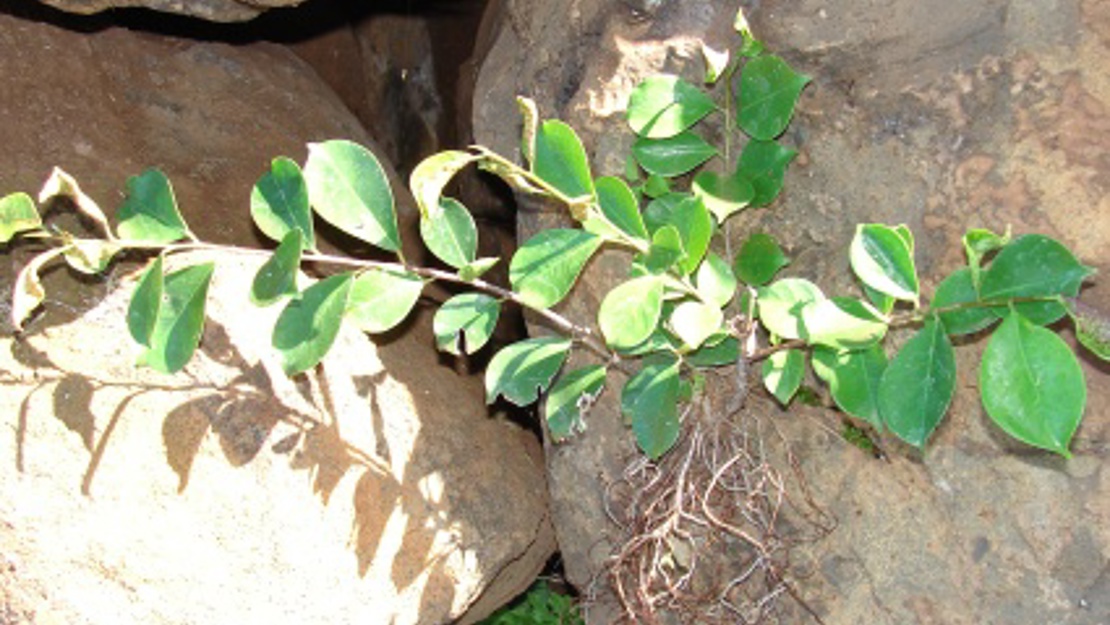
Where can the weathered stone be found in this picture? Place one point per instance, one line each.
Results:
(988, 114)
(376, 489)
(213, 10)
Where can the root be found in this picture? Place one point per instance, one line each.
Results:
(708, 528)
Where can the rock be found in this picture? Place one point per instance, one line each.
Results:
(213, 10)
(229, 492)
(942, 118)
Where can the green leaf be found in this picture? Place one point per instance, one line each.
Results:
(883, 260)
(693, 322)
(28, 293)
(759, 259)
(545, 268)
(348, 188)
(882, 302)
(665, 250)
(956, 289)
(1092, 327)
(450, 233)
(521, 371)
(630, 312)
(672, 156)
(62, 184)
(853, 378)
(783, 372)
(781, 303)
(17, 214)
(724, 352)
(474, 270)
(695, 227)
(715, 63)
(769, 89)
(763, 163)
(656, 186)
(277, 277)
(917, 386)
(650, 400)
(561, 160)
(142, 312)
(180, 319)
(714, 281)
(308, 325)
(150, 211)
(663, 106)
(1032, 385)
(464, 323)
(91, 256)
(569, 400)
(432, 174)
(279, 203)
(620, 207)
(843, 323)
(1033, 266)
(380, 299)
(978, 242)
(659, 212)
(723, 195)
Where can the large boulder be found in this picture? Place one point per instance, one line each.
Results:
(941, 116)
(377, 489)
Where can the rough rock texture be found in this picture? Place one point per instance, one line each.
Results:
(228, 493)
(214, 10)
(986, 114)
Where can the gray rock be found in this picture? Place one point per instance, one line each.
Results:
(212, 10)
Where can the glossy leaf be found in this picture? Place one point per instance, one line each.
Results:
(380, 299)
(695, 227)
(656, 186)
(672, 156)
(569, 400)
(715, 63)
(723, 195)
(1031, 266)
(521, 371)
(618, 204)
(279, 203)
(663, 106)
(17, 214)
(546, 266)
(660, 211)
(277, 277)
(180, 319)
(883, 260)
(348, 188)
(142, 311)
(432, 174)
(881, 301)
(714, 281)
(781, 303)
(694, 321)
(764, 163)
(665, 250)
(957, 289)
(916, 387)
(464, 323)
(978, 242)
(474, 269)
(450, 233)
(530, 121)
(27, 293)
(307, 326)
(1092, 327)
(91, 256)
(843, 323)
(724, 352)
(1032, 385)
(561, 160)
(853, 378)
(650, 401)
(150, 211)
(630, 312)
(783, 372)
(769, 89)
(759, 259)
(62, 184)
